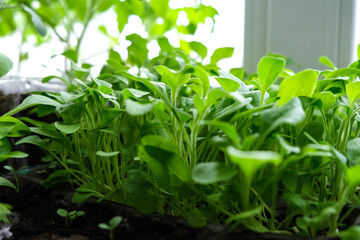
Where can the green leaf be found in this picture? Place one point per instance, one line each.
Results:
(269, 68)
(196, 219)
(62, 212)
(76, 68)
(12, 127)
(115, 221)
(252, 161)
(221, 53)
(36, 20)
(137, 51)
(229, 85)
(160, 7)
(291, 113)
(71, 54)
(136, 108)
(33, 139)
(32, 101)
(67, 128)
(353, 232)
(352, 151)
(343, 72)
(301, 84)
(353, 176)
(15, 154)
(229, 129)
(5, 64)
(353, 93)
(6, 183)
(327, 99)
(211, 172)
(199, 48)
(106, 154)
(326, 61)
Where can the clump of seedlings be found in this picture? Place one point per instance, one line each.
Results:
(69, 216)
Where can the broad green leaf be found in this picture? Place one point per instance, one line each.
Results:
(4, 210)
(352, 150)
(229, 85)
(301, 84)
(5, 64)
(196, 219)
(221, 53)
(251, 161)
(136, 108)
(326, 61)
(269, 68)
(36, 20)
(32, 101)
(160, 7)
(291, 113)
(211, 172)
(106, 154)
(343, 72)
(67, 128)
(243, 216)
(353, 93)
(199, 48)
(12, 127)
(6, 183)
(15, 154)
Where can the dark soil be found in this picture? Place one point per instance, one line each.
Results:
(34, 217)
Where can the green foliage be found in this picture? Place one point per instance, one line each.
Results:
(5, 64)
(164, 140)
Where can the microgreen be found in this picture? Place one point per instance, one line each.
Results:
(113, 223)
(69, 216)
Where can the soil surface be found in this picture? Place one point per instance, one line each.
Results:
(34, 217)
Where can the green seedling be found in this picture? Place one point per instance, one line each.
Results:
(69, 216)
(113, 223)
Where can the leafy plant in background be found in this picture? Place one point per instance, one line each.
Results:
(9, 127)
(67, 22)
